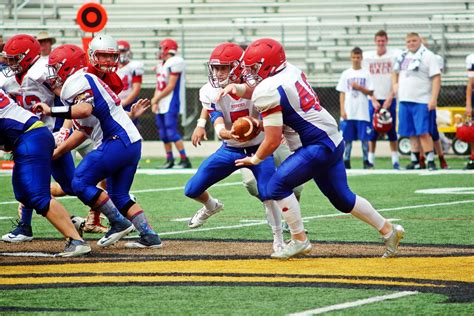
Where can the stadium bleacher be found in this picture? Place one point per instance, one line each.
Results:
(318, 36)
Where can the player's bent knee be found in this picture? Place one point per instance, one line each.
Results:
(251, 187)
(192, 191)
(124, 209)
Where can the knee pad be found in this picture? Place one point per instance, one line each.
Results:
(251, 186)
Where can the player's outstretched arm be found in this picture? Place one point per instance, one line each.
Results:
(80, 110)
(241, 90)
(199, 132)
(139, 108)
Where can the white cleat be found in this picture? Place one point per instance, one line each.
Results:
(293, 248)
(203, 214)
(392, 242)
(115, 233)
(75, 248)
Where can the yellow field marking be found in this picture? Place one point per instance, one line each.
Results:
(426, 268)
(196, 278)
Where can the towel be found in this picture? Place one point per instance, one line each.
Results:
(414, 63)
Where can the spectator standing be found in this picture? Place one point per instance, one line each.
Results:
(417, 81)
(354, 87)
(379, 63)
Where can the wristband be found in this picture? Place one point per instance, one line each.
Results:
(61, 111)
(255, 160)
(201, 122)
(219, 128)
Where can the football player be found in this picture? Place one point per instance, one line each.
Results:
(168, 101)
(131, 73)
(285, 99)
(26, 81)
(115, 159)
(32, 145)
(224, 69)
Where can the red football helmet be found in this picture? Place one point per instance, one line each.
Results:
(21, 51)
(465, 132)
(263, 58)
(225, 54)
(63, 62)
(125, 53)
(167, 46)
(382, 121)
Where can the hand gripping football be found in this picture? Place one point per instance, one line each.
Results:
(246, 128)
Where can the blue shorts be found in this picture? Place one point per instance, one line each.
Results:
(114, 161)
(392, 133)
(324, 166)
(433, 126)
(167, 125)
(356, 130)
(221, 164)
(31, 177)
(413, 119)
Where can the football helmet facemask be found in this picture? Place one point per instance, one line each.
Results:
(21, 52)
(225, 54)
(263, 58)
(103, 53)
(63, 62)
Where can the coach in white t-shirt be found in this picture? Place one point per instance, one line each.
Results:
(417, 80)
(380, 63)
(354, 86)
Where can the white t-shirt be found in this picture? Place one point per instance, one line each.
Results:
(416, 85)
(470, 65)
(175, 100)
(380, 68)
(231, 110)
(356, 104)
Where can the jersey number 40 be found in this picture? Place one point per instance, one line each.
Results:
(308, 98)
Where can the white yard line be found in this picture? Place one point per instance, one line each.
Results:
(347, 305)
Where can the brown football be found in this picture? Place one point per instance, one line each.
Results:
(246, 128)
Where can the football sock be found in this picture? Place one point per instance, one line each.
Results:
(182, 154)
(371, 158)
(415, 157)
(347, 151)
(273, 214)
(365, 150)
(26, 215)
(430, 156)
(211, 203)
(291, 213)
(169, 155)
(141, 223)
(364, 211)
(110, 211)
(394, 157)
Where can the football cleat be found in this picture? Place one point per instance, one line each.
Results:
(168, 164)
(93, 224)
(115, 233)
(392, 242)
(278, 246)
(442, 163)
(413, 166)
(431, 165)
(203, 214)
(79, 223)
(21, 233)
(293, 248)
(146, 241)
(75, 248)
(396, 166)
(368, 165)
(470, 165)
(184, 164)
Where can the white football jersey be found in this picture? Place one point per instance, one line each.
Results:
(289, 92)
(130, 73)
(356, 104)
(34, 89)
(470, 65)
(416, 85)
(231, 110)
(380, 68)
(90, 126)
(114, 121)
(173, 102)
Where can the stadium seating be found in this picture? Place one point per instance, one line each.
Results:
(318, 36)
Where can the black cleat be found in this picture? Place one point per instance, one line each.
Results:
(470, 165)
(168, 164)
(368, 165)
(184, 164)
(347, 164)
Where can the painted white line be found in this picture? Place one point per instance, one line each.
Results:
(308, 218)
(26, 254)
(142, 191)
(5, 218)
(347, 305)
(462, 190)
(183, 219)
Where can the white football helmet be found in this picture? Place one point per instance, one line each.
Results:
(107, 48)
